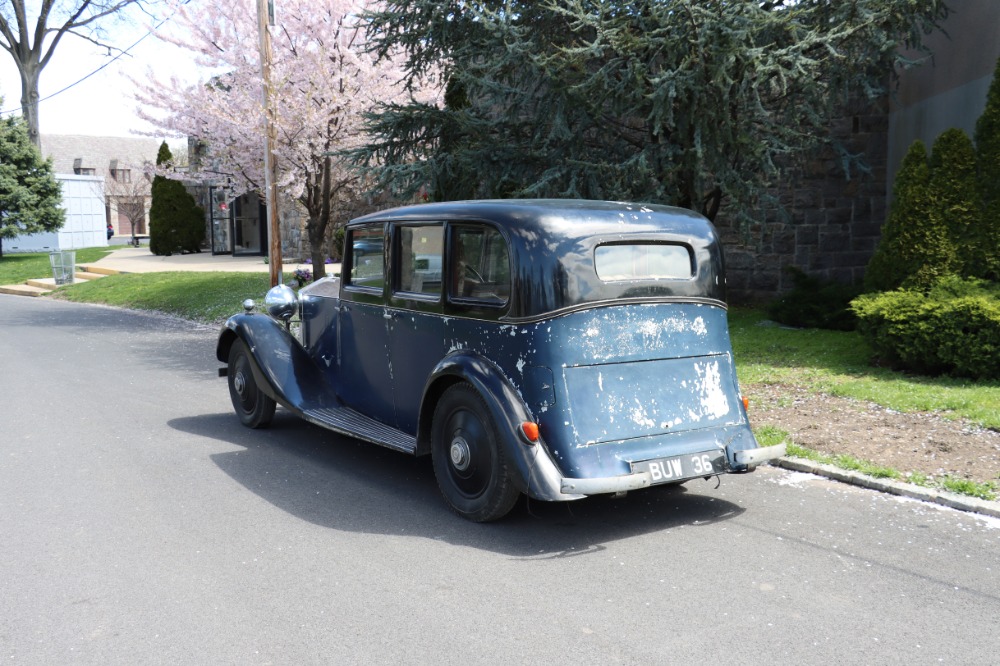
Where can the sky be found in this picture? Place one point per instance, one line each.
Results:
(100, 105)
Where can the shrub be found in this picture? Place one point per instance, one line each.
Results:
(176, 221)
(955, 209)
(987, 137)
(912, 247)
(953, 329)
(815, 303)
(337, 243)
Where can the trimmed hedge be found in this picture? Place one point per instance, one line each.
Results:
(953, 329)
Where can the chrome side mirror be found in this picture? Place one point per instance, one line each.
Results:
(282, 303)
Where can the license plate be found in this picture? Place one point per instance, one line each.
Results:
(677, 468)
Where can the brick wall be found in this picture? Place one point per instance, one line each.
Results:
(827, 226)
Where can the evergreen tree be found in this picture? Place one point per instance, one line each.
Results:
(162, 237)
(689, 102)
(30, 196)
(909, 246)
(987, 138)
(176, 221)
(190, 221)
(955, 210)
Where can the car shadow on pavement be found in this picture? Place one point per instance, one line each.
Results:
(345, 484)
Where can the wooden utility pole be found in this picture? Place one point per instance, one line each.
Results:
(265, 18)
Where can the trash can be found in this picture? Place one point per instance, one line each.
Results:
(63, 266)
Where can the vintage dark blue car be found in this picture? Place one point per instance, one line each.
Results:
(554, 348)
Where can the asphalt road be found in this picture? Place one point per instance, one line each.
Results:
(140, 524)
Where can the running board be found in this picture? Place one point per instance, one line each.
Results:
(349, 422)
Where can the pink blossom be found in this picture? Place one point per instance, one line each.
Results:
(322, 78)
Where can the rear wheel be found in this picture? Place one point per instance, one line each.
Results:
(469, 463)
(254, 407)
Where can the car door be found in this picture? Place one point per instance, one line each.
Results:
(416, 326)
(366, 378)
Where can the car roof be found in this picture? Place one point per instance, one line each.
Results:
(572, 217)
(552, 245)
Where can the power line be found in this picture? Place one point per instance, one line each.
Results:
(81, 80)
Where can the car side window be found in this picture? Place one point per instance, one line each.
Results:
(418, 259)
(480, 265)
(366, 247)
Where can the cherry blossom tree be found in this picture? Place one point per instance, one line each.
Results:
(323, 81)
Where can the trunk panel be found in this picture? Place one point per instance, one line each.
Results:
(619, 401)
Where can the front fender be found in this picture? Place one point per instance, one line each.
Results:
(534, 472)
(281, 366)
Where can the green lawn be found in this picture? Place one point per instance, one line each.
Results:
(203, 297)
(16, 268)
(836, 362)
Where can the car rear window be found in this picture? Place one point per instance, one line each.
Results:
(643, 261)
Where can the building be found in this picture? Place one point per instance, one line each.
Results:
(84, 204)
(121, 162)
(829, 226)
(238, 225)
(950, 90)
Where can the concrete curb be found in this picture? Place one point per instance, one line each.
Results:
(101, 270)
(952, 500)
(46, 285)
(23, 289)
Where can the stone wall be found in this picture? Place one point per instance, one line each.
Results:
(827, 225)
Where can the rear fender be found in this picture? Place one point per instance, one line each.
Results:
(281, 366)
(534, 473)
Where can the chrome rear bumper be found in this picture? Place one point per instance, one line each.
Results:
(626, 482)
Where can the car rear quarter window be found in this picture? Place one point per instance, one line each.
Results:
(643, 261)
(480, 265)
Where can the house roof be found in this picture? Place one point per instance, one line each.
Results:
(97, 152)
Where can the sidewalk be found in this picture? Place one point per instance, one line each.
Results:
(141, 260)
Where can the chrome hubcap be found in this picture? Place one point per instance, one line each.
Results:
(240, 383)
(459, 453)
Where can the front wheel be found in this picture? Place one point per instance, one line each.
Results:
(469, 463)
(254, 407)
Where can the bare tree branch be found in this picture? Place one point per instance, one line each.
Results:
(32, 50)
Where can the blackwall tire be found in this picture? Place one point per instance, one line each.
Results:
(469, 464)
(254, 407)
